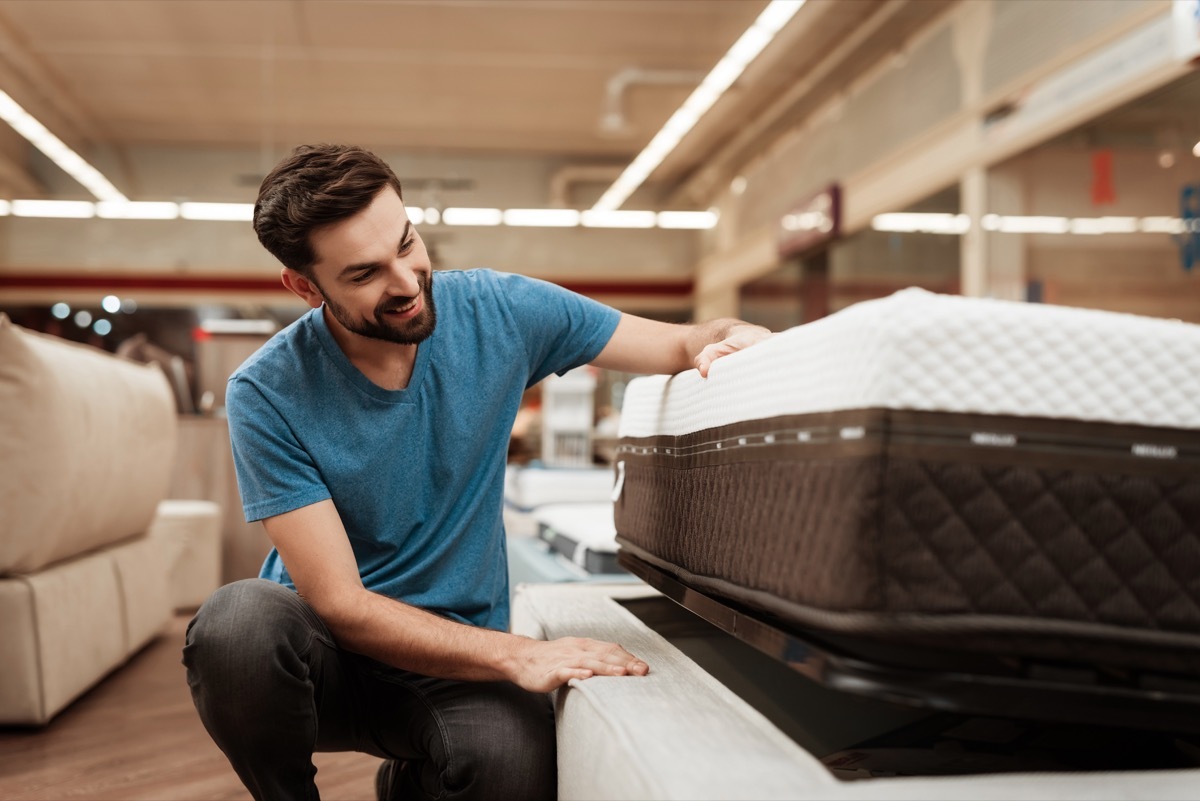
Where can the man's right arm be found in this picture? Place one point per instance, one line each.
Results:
(314, 547)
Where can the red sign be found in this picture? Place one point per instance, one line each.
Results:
(1103, 191)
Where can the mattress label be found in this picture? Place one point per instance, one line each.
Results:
(993, 440)
(1149, 451)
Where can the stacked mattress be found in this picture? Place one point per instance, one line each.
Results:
(583, 533)
(526, 489)
(963, 474)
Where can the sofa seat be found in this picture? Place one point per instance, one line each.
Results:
(191, 532)
(66, 626)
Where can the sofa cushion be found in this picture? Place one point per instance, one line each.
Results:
(62, 629)
(86, 447)
(191, 532)
(65, 627)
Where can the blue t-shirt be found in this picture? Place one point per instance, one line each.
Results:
(417, 475)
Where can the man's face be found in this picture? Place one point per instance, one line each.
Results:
(374, 273)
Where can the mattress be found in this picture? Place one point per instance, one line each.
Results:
(527, 488)
(583, 533)
(952, 473)
(574, 542)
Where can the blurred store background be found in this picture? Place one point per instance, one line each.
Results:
(678, 159)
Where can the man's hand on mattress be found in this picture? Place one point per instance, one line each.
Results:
(542, 666)
(740, 337)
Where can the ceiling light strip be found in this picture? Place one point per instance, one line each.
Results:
(67, 159)
(233, 212)
(907, 222)
(728, 69)
(944, 223)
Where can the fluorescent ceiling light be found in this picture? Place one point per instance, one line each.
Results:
(75, 209)
(243, 327)
(465, 216)
(1161, 225)
(929, 223)
(67, 159)
(940, 223)
(130, 210)
(618, 219)
(549, 218)
(686, 219)
(1104, 225)
(728, 69)
(1034, 225)
(242, 212)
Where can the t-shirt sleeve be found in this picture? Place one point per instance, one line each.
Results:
(275, 474)
(561, 329)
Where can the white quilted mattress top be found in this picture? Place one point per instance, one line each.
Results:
(922, 351)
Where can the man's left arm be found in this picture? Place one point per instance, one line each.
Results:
(650, 347)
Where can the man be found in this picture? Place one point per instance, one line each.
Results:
(370, 439)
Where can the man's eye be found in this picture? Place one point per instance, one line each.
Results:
(363, 277)
(407, 246)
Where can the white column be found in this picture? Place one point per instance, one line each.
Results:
(973, 268)
(1005, 259)
(972, 26)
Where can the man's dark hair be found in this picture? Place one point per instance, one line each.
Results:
(314, 186)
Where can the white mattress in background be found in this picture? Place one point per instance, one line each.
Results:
(526, 488)
(589, 525)
(922, 351)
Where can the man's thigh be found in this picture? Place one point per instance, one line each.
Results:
(474, 739)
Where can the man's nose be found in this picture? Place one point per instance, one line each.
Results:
(402, 279)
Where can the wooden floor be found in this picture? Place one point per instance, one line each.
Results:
(136, 737)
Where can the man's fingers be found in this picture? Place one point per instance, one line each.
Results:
(556, 662)
(711, 353)
(745, 336)
(607, 659)
(563, 675)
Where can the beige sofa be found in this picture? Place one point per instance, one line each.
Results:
(86, 448)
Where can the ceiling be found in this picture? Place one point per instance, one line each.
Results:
(1166, 119)
(529, 77)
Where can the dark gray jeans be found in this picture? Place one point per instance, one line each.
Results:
(272, 687)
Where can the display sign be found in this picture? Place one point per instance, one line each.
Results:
(815, 221)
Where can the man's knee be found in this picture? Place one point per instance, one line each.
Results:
(247, 628)
(511, 752)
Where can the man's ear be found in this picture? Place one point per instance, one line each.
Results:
(302, 287)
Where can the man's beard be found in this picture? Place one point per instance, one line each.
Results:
(408, 332)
